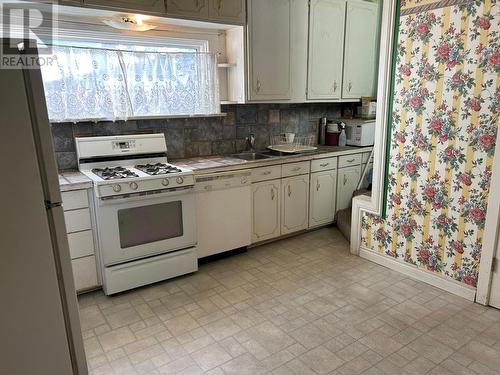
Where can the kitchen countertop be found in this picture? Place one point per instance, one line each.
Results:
(74, 180)
(214, 164)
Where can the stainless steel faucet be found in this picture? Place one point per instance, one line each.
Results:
(250, 142)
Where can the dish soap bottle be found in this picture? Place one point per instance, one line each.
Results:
(342, 136)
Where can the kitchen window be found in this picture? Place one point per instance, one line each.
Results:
(96, 81)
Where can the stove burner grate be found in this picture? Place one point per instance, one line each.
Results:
(157, 169)
(113, 173)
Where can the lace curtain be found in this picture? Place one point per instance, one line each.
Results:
(99, 84)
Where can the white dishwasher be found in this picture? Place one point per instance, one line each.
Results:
(223, 211)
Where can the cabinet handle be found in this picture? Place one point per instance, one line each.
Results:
(289, 190)
(197, 3)
(219, 5)
(351, 160)
(324, 165)
(317, 185)
(296, 169)
(334, 87)
(258, 86)
(345, 179)
(266, 173)
(349, 86)
(272, 194)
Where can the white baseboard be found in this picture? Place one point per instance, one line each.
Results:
(448, 285)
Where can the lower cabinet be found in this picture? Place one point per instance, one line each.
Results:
(294, 203)
(84, 273)
(347, 182)
(323, 188)
(266, 210)
(80, 238)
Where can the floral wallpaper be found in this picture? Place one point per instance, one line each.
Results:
(444, 125)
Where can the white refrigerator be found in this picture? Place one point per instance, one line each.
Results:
(39, 322)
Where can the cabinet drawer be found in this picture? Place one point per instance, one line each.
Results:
(77, 220)
(81, 244)
(74, 199)
(266, 173)
(365, 156)
(349, 160)
(295, 169)
(85, 273)
(323, 164)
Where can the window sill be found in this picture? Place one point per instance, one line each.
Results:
(132, 118)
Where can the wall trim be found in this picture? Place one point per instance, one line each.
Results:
(451, 286)
(491, 231)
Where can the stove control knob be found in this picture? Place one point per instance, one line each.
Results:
(117, 188)
(179, 180)
(165, 182)
(133, 185)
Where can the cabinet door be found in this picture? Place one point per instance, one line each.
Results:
(360, 56)
(229, 11)
(326, 42)
(322, 200)
(265, 210)
(150, 6)
(85, 273)
(187, 8)
(347, 183)
(269, 24)
(294, 204)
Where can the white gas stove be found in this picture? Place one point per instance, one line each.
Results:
(129, 164)
(144, 210)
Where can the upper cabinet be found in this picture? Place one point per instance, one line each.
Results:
(227, 11)
(269, 67)
(148, 6)
(317, 50)
(326, 41)
(360, 49)
(221, 11)
(187, 8)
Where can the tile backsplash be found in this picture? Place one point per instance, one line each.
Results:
(190, 137)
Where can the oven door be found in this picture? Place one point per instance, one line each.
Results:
(140, 226)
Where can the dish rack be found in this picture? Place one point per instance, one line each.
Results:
(300, 143)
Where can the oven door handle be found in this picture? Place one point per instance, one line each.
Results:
(134, 197)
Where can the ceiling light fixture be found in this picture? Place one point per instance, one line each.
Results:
(134, 23)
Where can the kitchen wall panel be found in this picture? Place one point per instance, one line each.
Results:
(445, 117)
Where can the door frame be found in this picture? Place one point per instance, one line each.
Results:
(374, 203)
(491, 231)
